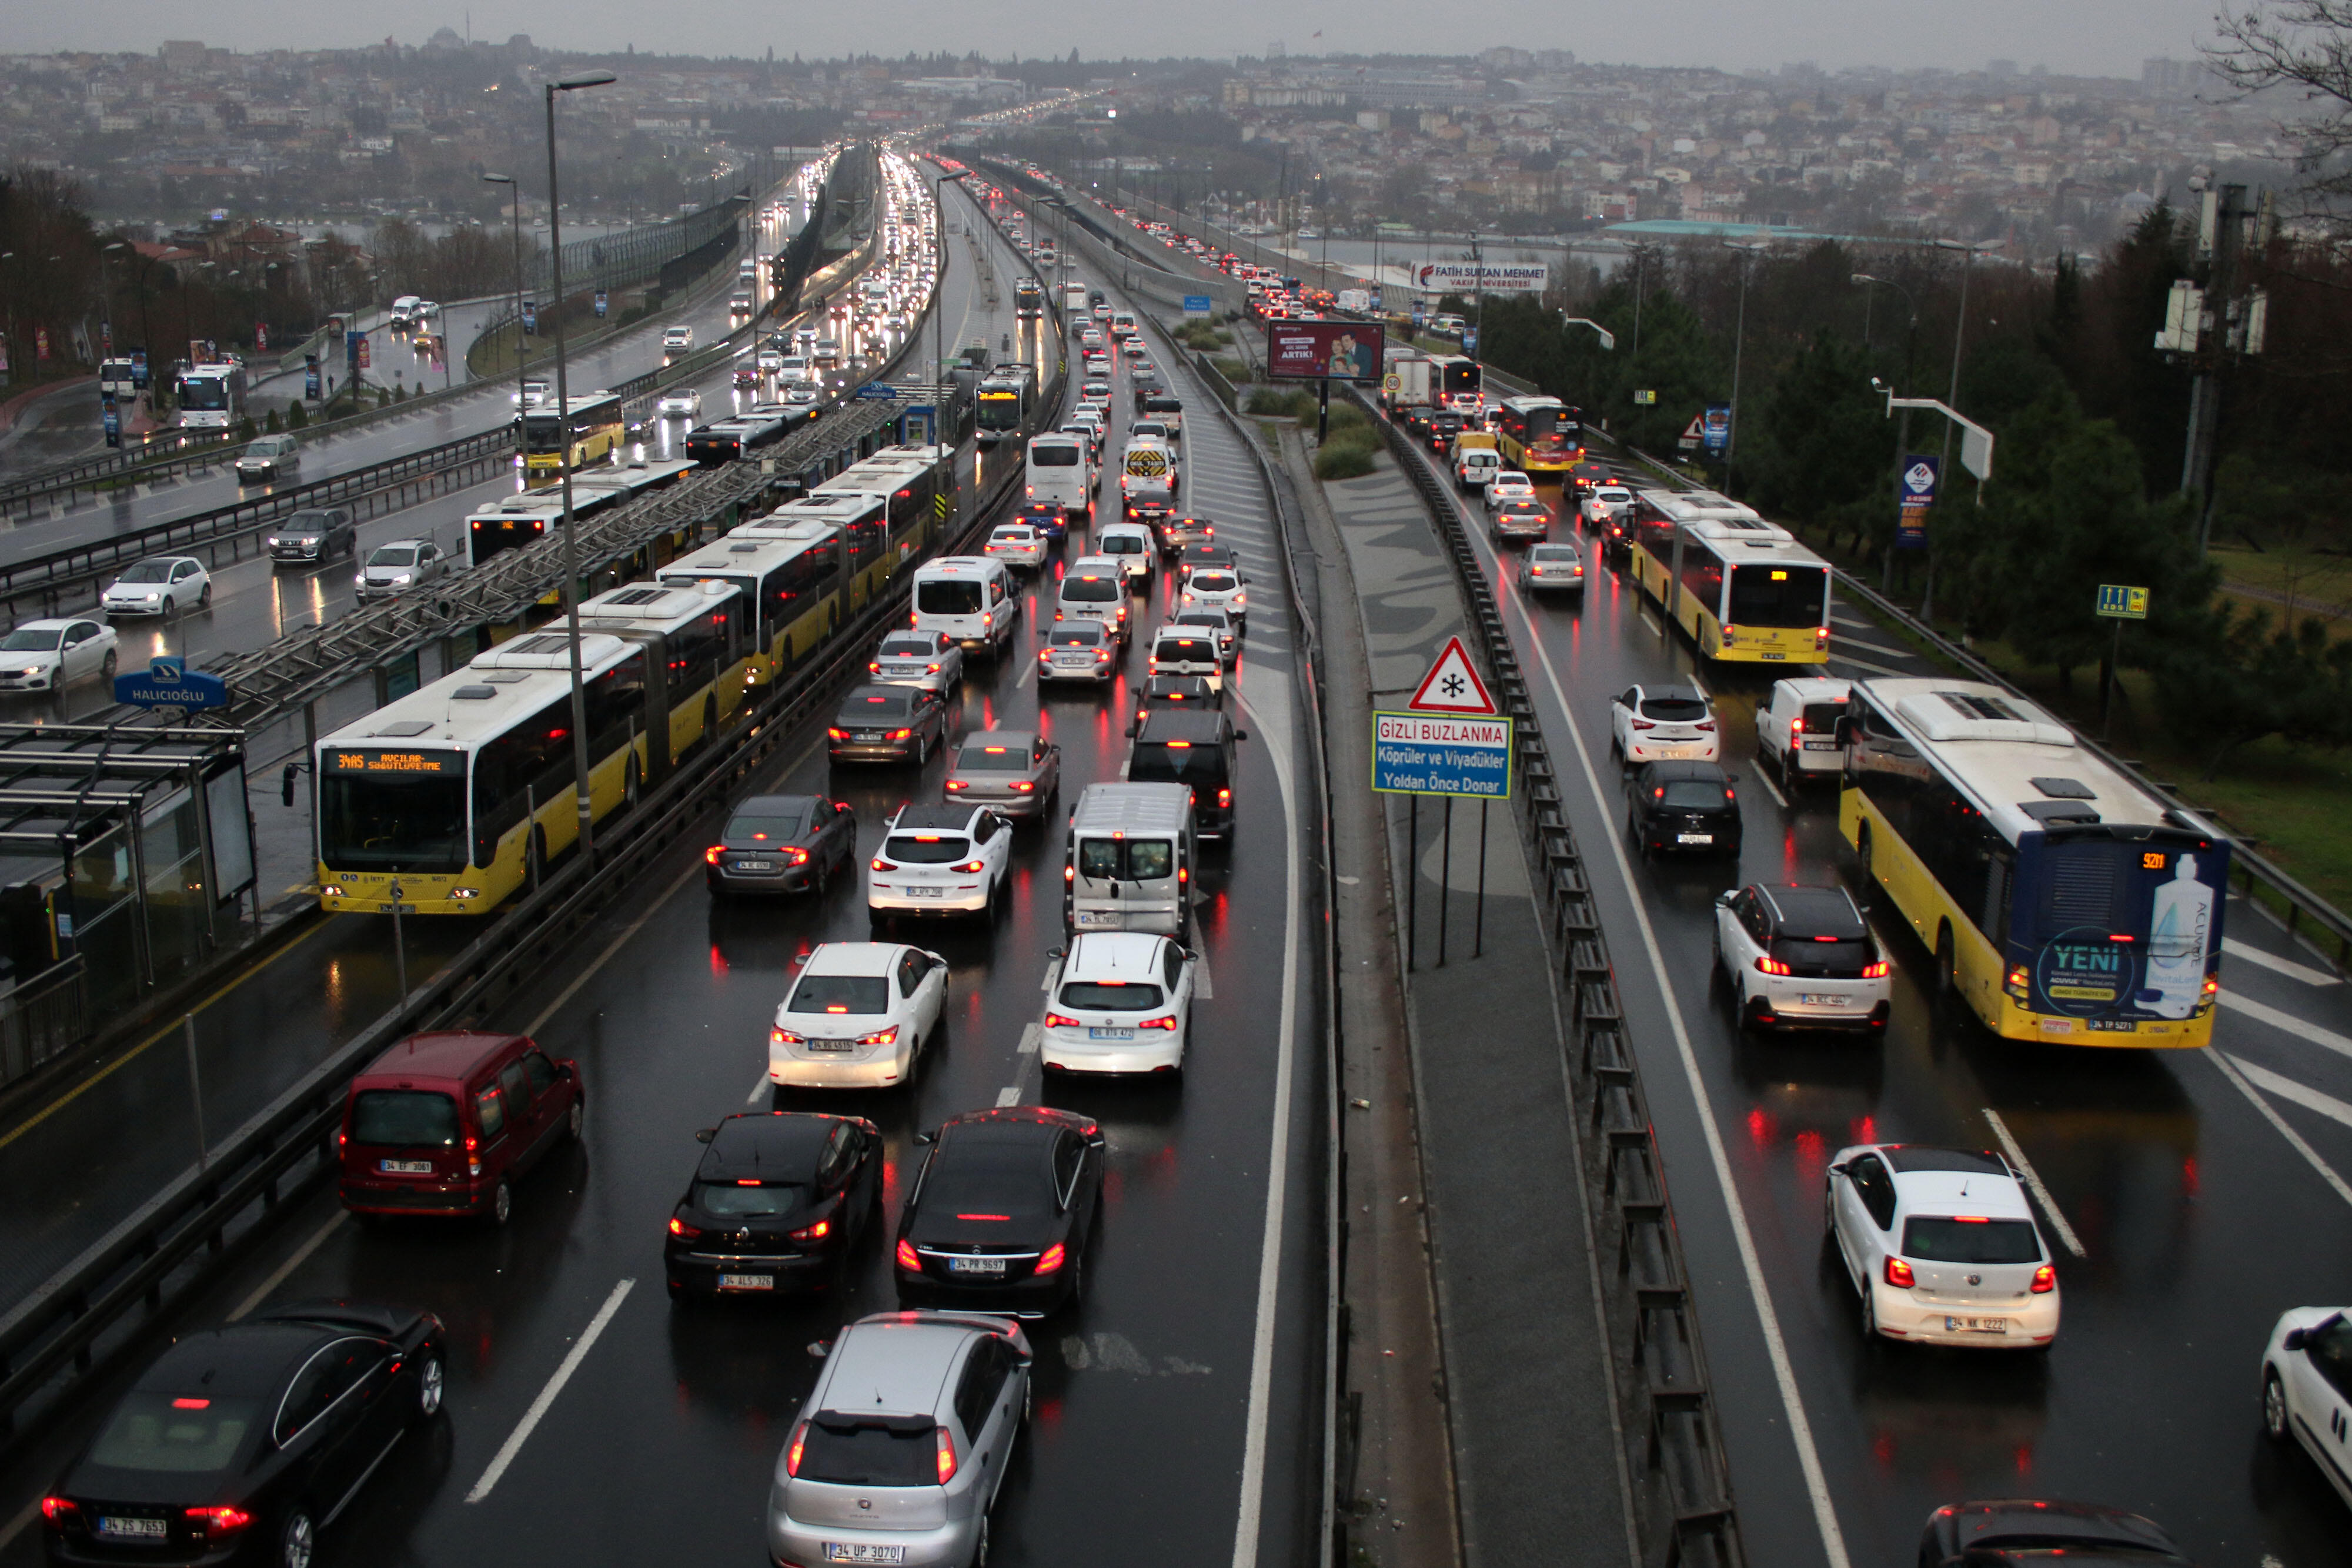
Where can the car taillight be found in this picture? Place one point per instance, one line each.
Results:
(836, 733)
(1644, 724)
(1056, 1020)
(681, 1230)
(799, 1442)
(930, 669)
(970, 868)
(2046, 1278)
(1899, 1275)
(1706, 724)
(879, 864)
(956, 785)
(785, 1037)
(1224, 797)
(875, 666)
(57, 1510)
(817, 1232)
(880, 1037)
(1874, 970)
(1796, 728)
(1069, 874)
(1050, 1261)
(987, 619)
(1168, 1023)
(796, 857)
(906, 1256)
(900, 734)
(1773, 966)
(711, 856)
(214, 1522)
(946, 1457)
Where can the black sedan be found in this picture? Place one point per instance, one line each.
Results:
(238, 1443)
(780, 1202)
(1678, 806)
(2023, 1530)
(887, 724)
(782, 844)
(1002, 1213)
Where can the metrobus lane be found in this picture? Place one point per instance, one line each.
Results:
(662, 1441)
(2197, 1218)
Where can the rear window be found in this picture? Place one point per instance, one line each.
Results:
(408, 1118)
(1674, 710)
(1821, 718)
(955, 598)
(1121, 544)
(1110, 997)
(1125, 860)
(1971, 1241)
(1765, 595)
(1184, 650)
(1844, 957)
(184, 1435)
(764, 829)
(849, 1450)
(746, 1198)
(992, 759)
(1176, 762)
(1016, 534)
(1213, 582)
(841, 994)
(1092, 590)
(926, 848)
(1692, 795)
(1054, 457)
(1076, 634)
(873, 705)
(394, 555)
(908, 648)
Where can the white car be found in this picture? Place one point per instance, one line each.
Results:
(1796, 728)
(2307, 1386)
(1122, 1003)
(937, 861)
(1942, 1246)
(1801, 958)
(680, 401)
(534, 395)
(1078, 651)
(800, 394)
(932, 660)
(677, 338)
(158, 586)
(1509, 485)
(1134, 547)
(1214, 588)
(1604, 502)
(44, 655)
(1016, 545)
(1214, 619)
(859, 1016)
(1654, 724)
(399, 566)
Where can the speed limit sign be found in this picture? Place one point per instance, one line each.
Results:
(1391, 382)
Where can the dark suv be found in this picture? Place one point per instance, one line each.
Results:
(1193, 748)
(314, 535)
(1676, 806)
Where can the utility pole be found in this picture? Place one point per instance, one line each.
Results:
(2210, 325)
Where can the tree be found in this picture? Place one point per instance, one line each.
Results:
(2305, 46)
(1825, 438)
(2236, 678)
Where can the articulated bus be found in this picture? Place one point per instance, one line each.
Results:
(591, 423)
(861, 525)
(455, 791)
(513, 522)
(694, 637)
(2062, 902)
(911, 482)
(789, 576)
(1750, 592)
(1539, 437)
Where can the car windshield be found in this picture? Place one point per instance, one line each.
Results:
(32, 639)
(394, 555)
(993, 759)
(841, 994)
(1092, 590)
(1691, 795)
(1674, 710)
(269, 448)
(1110, 996)
(148, 571)
(926, 848)
(861, 1451)
(908, 648)
(1965, 1240)
(948, 598)
(184, 1434)
(746, 1199)
(410, 1118)
(306, 523)
(764, 828)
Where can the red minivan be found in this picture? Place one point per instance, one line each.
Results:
(441, 1124)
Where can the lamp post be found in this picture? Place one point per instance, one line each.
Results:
(1968, 249)
(1903, 434)
(514, 206)
(1739, 349)
(563, 465)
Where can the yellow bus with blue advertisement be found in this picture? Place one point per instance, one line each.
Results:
(1749, 591)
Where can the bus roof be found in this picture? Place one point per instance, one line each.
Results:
(1521, 404)
(811, 516)
(740, 555)
(480, 702)
(656, 606)
(578, 402)
(2023, 768)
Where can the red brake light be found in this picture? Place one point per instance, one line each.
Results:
(1874, 970)
(970, 868)
(191, 1404)
(800, 1441)
(836, 733)
(1024, 787)
(1069, 874)
(58, 1509)
(711, 856)
(906, 1256)
(1770, 966)
(220, 1521)
(2046, 1278)
(1899, 1275)
(817, 1232)
(1168, 1023)
(955, 786)
(879, 864)
(680, 1229)
(1050, 1261)
(1644, 724)
(1056, 1020)
(880, 1037)
(946, 1457)
(797, 857)
(874, 665)
(1706, 724)
(900, 734)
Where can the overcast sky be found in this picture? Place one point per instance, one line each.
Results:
(2100, 37)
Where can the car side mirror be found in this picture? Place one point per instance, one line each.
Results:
(1056, 953)
(1240, 735)
(1840, 1168)
(926, 1139)
(705, 1134)
(286, 783)
(2294, 1338)
(1723, 900)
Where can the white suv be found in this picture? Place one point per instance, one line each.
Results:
(940, 860)
(1942, 1246)
(1122, 1003)
(1657, 724)
(1801, 958)
(2308, 1384)
(677, 338)
(859, 1017)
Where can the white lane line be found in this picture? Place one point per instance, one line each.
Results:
(2287, 966)
(1053, 976)
(1766, 779)
(2286, 1022)
(539, 1406)
(2286, 1088)
(1800, 1427)
(1009, 1096)
(2033, 1181)
(1028, 672)
(300, 1256)
(1203, 989)
(1029, 1036)
(759, 1091)
(2229, 1069)
(1837, 658)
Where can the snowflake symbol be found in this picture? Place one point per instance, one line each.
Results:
(1453, 685)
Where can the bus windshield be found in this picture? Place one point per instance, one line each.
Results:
(999, 410)
(383, 822)
(1765, 595)
(204, 392)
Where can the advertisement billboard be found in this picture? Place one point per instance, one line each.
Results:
(1319, 351)
(1482, 277)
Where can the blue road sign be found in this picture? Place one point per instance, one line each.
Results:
(1198, 303)
(1715, 428)
(169, 683)
(1469, 339)
(877, 391)
(1425, 754)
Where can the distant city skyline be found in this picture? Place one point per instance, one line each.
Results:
(2088, 37)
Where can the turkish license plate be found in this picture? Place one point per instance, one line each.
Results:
(918, 891)
(832, 1045)
(2112, 1026)
(746, 1281)
(122, 1529)
(1693, 838)
(1091, 917)
(1776, 656)
(1976, 1325)
(869, 735)
(755, 865)
(1820, 746)
(975, 1265)
(405, 1167)
(1816, 1000)
(1110, 1034)
(859, 1551)
(1073, 661)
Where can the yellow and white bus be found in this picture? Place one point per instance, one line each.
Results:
(590, 422)
(792, 582)
(2062, 902)
(694, 636)
(912, 481)
(1539, 437)
(1748, 593)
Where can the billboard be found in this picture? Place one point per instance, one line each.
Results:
(1319, 351)
(1482, 277)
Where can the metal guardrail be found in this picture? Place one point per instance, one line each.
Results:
(1682, 1478)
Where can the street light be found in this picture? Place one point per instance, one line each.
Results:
(1738, 349)
(1608, 339)
(1903, 434)
(1968, 249)
(564, 466)
(514, 205)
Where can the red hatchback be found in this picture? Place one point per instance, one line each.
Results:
(442, 1123)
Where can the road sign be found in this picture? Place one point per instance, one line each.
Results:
(169, 683)
(1646, 396)
(1198, 303)
(1452, 686)
(2117, 603)
(1469, 339)
(1921, 477)
(1428, 754)
(604, 303)
(878, 392)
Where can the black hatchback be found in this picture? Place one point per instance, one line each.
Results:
(1002, 1213)
(779, 1204)
(782, 844)
(1675, 807)
(239, 1443)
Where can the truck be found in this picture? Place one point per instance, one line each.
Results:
(1148, 479)
(1358, 301)
(1075, 300)
(1406, 385)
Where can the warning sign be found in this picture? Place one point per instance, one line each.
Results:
(1453, 686)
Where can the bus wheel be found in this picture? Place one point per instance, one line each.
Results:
(1946, 981)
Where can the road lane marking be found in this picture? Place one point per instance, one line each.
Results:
(2033, 1181)
(539, 1406)
(1029, 1036)
(2287, 1023)
(2287, 966)
(1203, 989)
(1801, 1427)
(1866, 665)
(1766, 779)
(1008, 1095)
(2286, 1088)
(301, 1254)
(2229, 1069)
(766, 1085)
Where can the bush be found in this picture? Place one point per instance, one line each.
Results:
(296, 417)
(269, 424)
(1344, 459)
(1280, 403)
(246, 429)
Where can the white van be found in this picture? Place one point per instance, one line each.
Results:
(1122, 324)
(1060, 475)
(968, 597)
(1130, 851)
(1094, 587)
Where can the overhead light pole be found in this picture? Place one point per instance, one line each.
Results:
(514, 206)
(1903, 434)
(1969, 250)
(1739, 346)
(563, 465)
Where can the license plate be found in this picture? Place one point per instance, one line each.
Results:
(2111, 1026)
(975, 1265)
(859, 1552)
(132, 1529)
(832, 1044)
(755, 865)
(1813, 1000)
(1073, 661)
(906, 669)
(1693, 838)
(405, 1167)
(1976, 1325)
(869, 735)
(1110, 1034)
(919, 892)
(1820, 746)
(1086, 917)
(1776, 656)
(746, 1281)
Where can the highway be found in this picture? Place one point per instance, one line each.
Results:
(1171, 1414)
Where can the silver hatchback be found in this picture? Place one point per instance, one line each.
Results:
(900, 1451)
(1013, 771)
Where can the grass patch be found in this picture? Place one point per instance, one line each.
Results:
(1341, 459)
(1200, 335)
(1280, 402)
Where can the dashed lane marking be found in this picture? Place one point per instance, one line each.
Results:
(277, 1276)
(2287, 966)
(2229, 1068)
(1030, 1035)
(540, 1406)
(1008, 1095)
(759, 1091)
(2287, 1022)
(2287, 1088)
(1766, 779)
(2033, 1181)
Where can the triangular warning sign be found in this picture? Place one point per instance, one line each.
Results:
(1452, 685)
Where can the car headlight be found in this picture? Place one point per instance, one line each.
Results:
(360, 578)
(401, 578)
(152, 598)
(272, 542)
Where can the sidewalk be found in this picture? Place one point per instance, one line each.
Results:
(1538, 1460)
